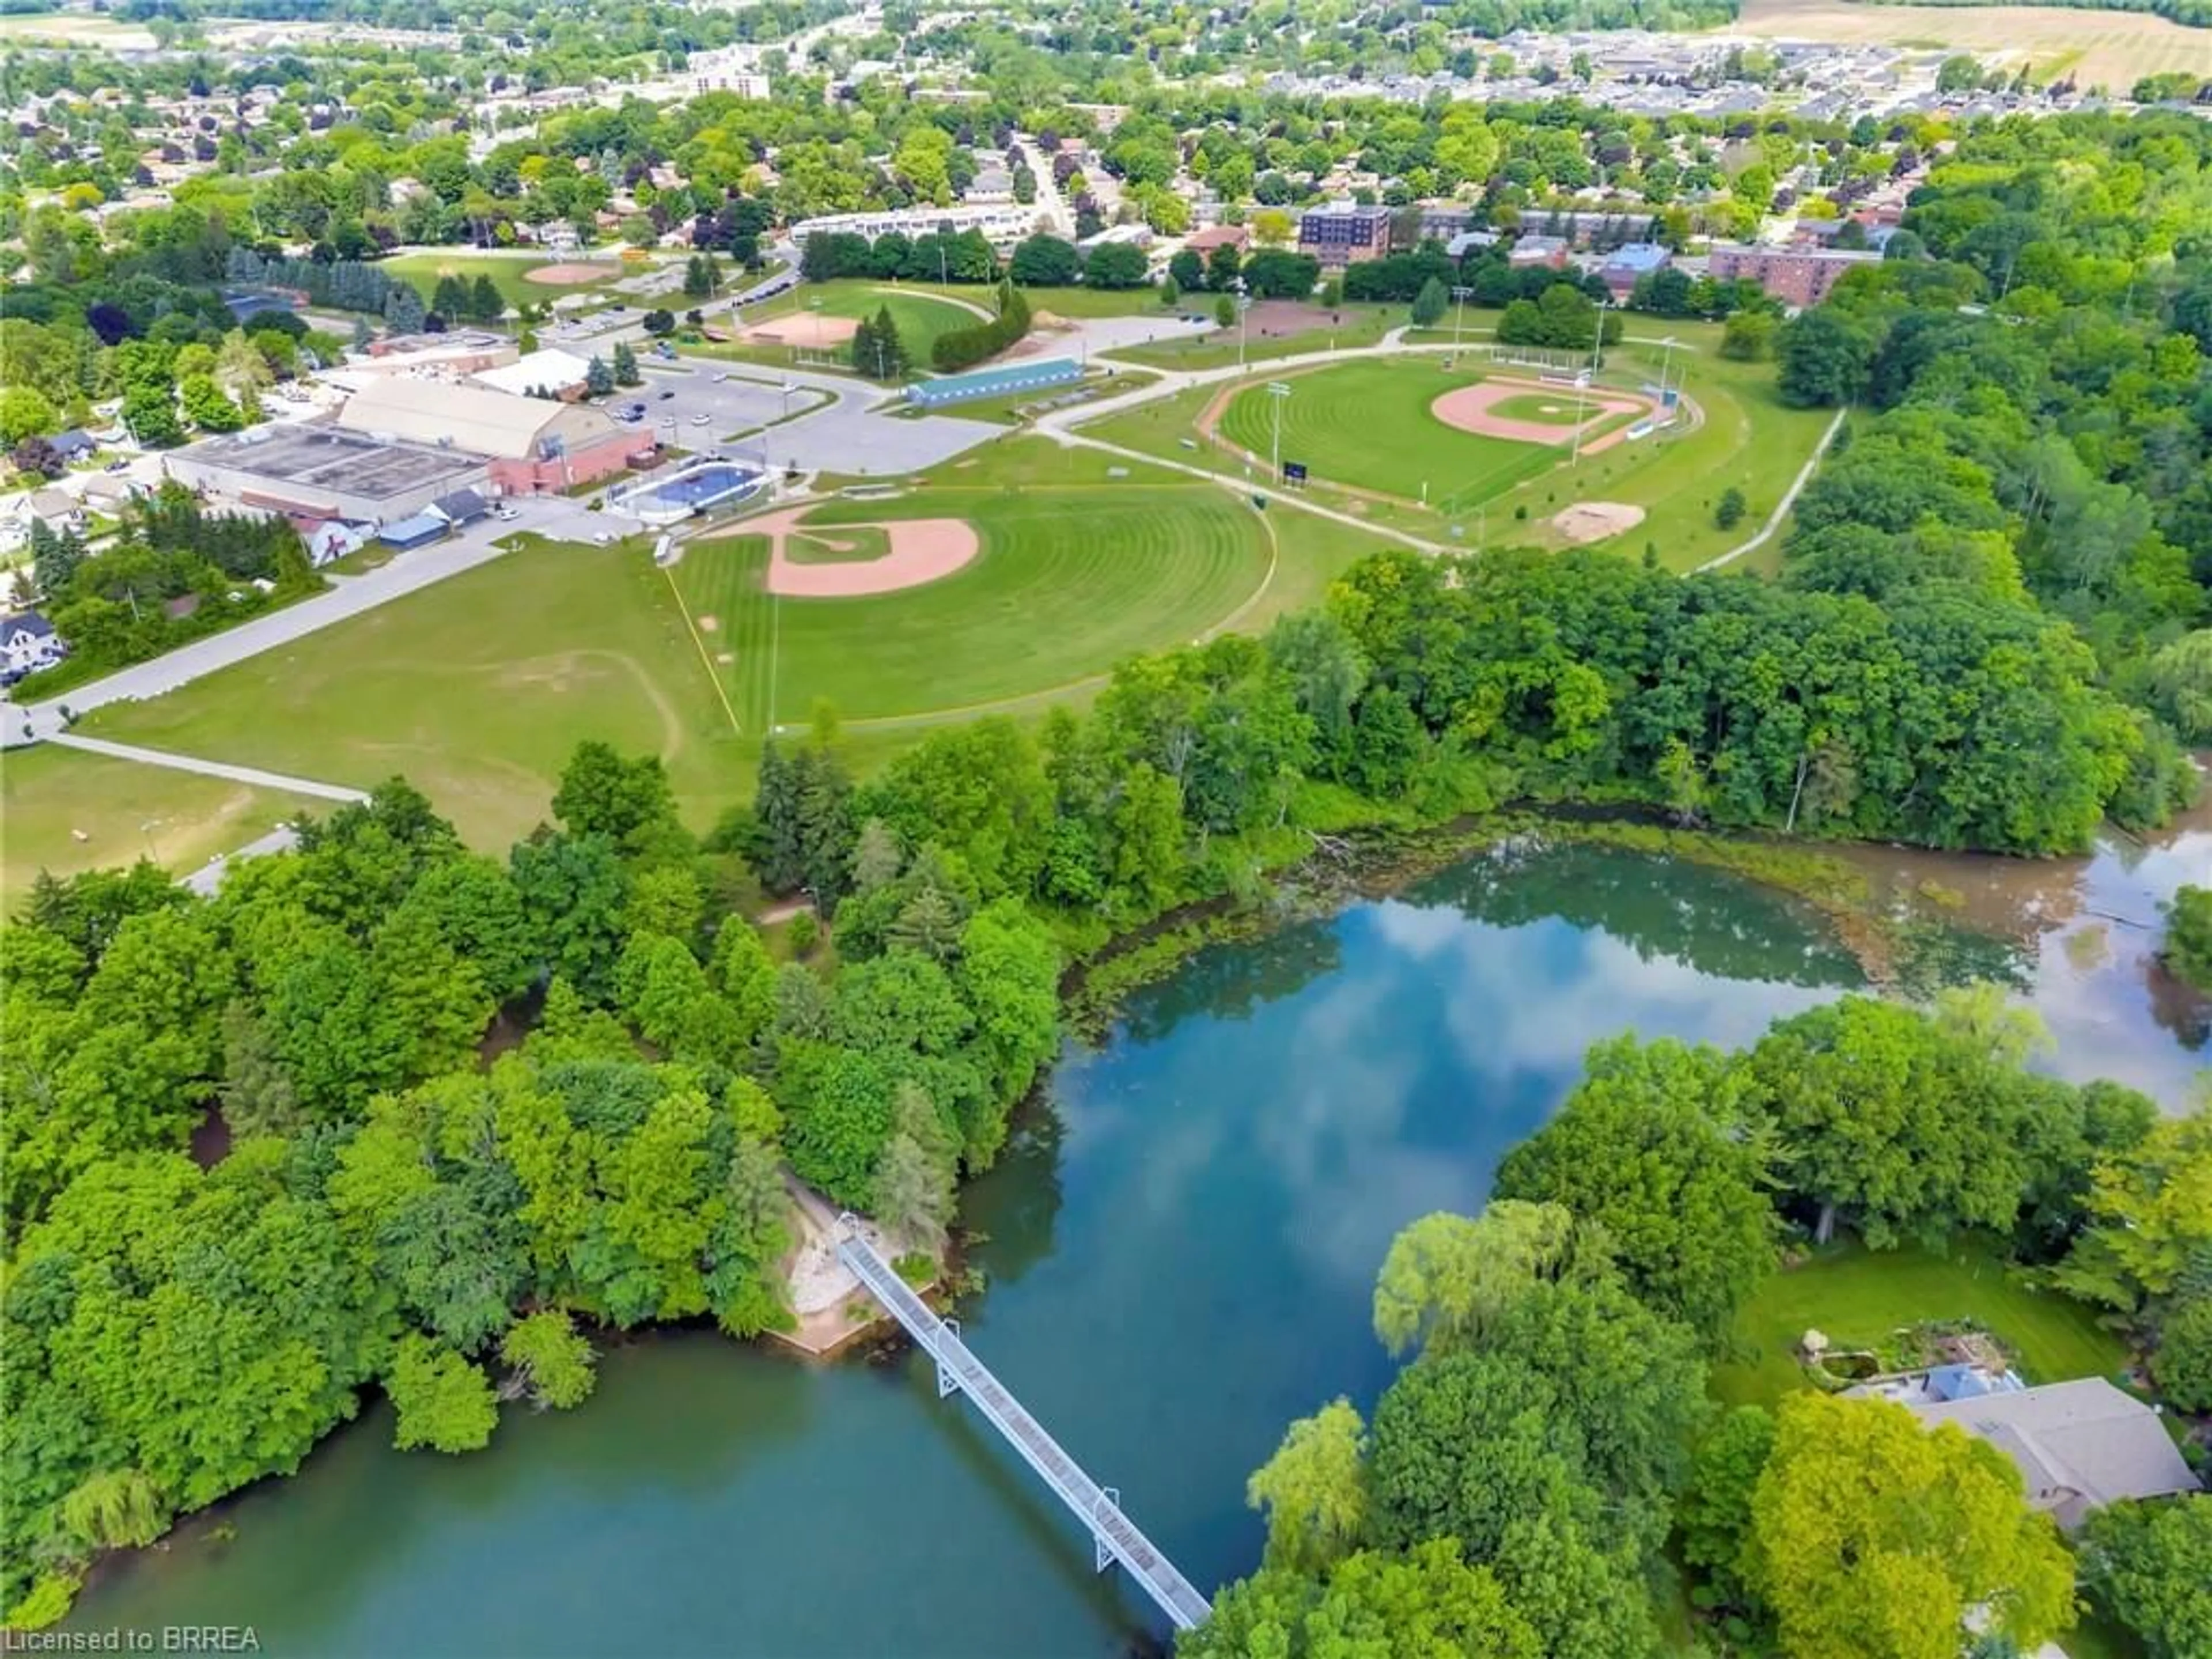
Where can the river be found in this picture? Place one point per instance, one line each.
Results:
(1179, 1246)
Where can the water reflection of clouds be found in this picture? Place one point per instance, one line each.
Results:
(1516, 1009)
(1535, 999)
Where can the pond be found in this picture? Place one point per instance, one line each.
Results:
(1180, 1247)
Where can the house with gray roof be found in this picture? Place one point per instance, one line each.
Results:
(2079, 1445)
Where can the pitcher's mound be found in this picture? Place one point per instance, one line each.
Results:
(1593, 521)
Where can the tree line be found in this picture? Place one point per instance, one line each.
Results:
(1548, 1467)
(397, 1209)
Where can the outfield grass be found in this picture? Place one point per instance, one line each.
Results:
(506, 271)
(476, 688)
(1856, 1296)
(1037, 610)
(921, 316)
(1363, 324)
(1552, 408)
(1367, 424)
(124, 811)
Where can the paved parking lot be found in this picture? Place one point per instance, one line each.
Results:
(841, 434)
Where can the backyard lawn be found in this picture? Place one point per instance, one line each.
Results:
(1856, 1296)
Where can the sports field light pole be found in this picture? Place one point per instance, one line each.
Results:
(1581, 390)
(1665, 363)
(1459, 315)
(1277, 391)
(1244, 305)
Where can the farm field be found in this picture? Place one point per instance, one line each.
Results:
(126, 812)
(1037, 610)
(2111, 49)
(1857, 1297)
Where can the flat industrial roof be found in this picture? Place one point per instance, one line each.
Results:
(328, 457)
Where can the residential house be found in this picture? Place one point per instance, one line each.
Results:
(1530, 251)
(27, 643)
(74, 445)
(2079, 1445)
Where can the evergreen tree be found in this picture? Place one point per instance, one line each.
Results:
(626, 365)
(402, 309)
(598, 379)
(485, 304)
(863, 346)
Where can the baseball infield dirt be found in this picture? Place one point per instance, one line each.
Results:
(809, 330)
(1469, 408)
(569, 275)
(1593, 521)
(922, 551)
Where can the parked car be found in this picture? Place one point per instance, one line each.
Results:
(665, 396)
(604, 537)
(698, 420)
(505, 512)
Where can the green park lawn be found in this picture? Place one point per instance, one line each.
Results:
(476, 688)
(1856, 1296)
(124, 811)
(1366, 424)
(479, 688)
(1360, 326)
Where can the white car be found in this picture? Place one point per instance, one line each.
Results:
(698, 420)
(604, 537)
(505, 513)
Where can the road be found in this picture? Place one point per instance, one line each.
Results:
(1050, 203)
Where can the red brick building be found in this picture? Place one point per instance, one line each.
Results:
(1797, 277)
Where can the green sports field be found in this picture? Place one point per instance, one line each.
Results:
(1040, 609)
(506, 271)
(1552, 408)
(1367, 425)
(479, 688)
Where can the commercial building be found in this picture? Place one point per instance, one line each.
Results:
(1627, 266)
(1002, 225)
(1340, 236)
(531, 446)
(322, 472)
(1796, 276)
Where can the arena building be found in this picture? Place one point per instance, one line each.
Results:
(530, 445)
(321, 471)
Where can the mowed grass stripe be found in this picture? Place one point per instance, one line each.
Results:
(1368, 425)
(1056, 596)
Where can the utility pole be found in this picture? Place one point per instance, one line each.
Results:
(1459, 315)
(1277, 391)
(1244, 305)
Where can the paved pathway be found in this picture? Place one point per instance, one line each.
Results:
(1789, 500)
(251, 774)
(208, 878)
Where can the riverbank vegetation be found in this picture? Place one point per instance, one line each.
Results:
(387, 1189)
(1552, 1465)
